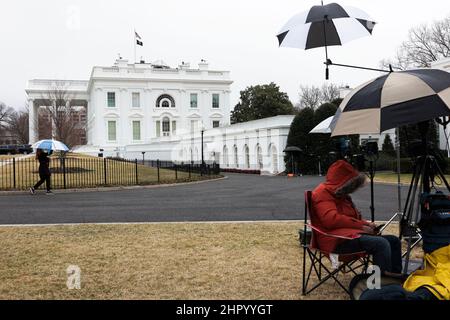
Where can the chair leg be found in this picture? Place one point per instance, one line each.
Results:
(304, 272)
(320, 267)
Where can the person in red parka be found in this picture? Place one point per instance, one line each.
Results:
(335, 214)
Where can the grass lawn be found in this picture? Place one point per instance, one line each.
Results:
(392, 178)
(156, 261)
(85, 171)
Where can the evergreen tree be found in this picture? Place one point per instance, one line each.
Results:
(299, 137)
(261, 101)
(388, 146)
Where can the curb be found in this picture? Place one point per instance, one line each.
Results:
(123, 188)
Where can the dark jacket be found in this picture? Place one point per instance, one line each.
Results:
(44, 164)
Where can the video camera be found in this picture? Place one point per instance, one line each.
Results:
(342, 150)
(369, 152)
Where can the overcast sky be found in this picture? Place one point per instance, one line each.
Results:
(64, 39)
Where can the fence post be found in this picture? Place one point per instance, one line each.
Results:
(64, 172)
(14, 172)
(104, 169)
(176, 173)
(157, 165)
(189, 168)
(136, 167)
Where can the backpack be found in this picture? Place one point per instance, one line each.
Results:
(435, 221)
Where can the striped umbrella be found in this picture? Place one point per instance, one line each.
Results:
(325, 25)
(53, 145)
(394, 100)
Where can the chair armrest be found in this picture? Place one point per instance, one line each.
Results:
(328, 234)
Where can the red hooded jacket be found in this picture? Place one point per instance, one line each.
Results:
(333, 215)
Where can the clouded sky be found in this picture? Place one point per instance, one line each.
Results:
(66, 38)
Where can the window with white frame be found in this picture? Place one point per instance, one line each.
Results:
(112, 130)
(165, 101)
(216, 124)
(247, 157)
(165, 104)
(194, 100)
(166, 127)
(215, 100)
(111, 99)
(136, 97)
(136, 130)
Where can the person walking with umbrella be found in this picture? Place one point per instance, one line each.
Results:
(44, 172)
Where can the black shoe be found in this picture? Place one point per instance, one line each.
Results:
(32, 191)
(49, 193)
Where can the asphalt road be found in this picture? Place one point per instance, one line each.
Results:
(238, 198)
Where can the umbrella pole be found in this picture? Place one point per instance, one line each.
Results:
(399, 185)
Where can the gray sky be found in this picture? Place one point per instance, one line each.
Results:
(66, 38)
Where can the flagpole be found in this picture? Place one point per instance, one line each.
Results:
(134, 46)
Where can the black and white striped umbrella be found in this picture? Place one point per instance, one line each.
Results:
(394, 100)
(325, 25)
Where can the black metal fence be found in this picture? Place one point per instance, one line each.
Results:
(67, 173)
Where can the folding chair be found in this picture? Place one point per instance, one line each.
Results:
(342, 263)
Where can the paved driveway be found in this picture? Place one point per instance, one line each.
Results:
(238, 198)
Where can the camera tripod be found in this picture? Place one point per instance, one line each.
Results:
(425, 170)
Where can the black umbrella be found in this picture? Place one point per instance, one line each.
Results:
(324, 26)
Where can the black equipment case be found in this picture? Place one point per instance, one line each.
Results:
(435, 221)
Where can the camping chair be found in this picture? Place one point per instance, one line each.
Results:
(342, 263)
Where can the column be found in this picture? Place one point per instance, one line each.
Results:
(53, 115)
(32, 122)
(88, 125)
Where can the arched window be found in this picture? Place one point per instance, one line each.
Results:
(247, 157)
(165, 101)
(259, 157)
(226, 162)
(274, 159)
(236, 157)
(166, 127)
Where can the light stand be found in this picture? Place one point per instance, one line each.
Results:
(203, 158)
(143, 157)
(371, 155)
(372, 197)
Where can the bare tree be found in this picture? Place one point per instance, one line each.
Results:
(310, 97)
(62, 112)
(330, 92)
(313, 97)
(17, 125)
(5, 113)
(425, 44)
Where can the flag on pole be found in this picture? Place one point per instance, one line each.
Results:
(138, 39)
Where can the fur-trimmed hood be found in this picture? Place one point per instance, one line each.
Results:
(342, 178)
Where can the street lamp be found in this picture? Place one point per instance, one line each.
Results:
(143, 157)
(203, 157)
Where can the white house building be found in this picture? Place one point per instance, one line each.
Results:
(162, 111)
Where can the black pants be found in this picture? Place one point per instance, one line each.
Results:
(44, 178)
(386, 251)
